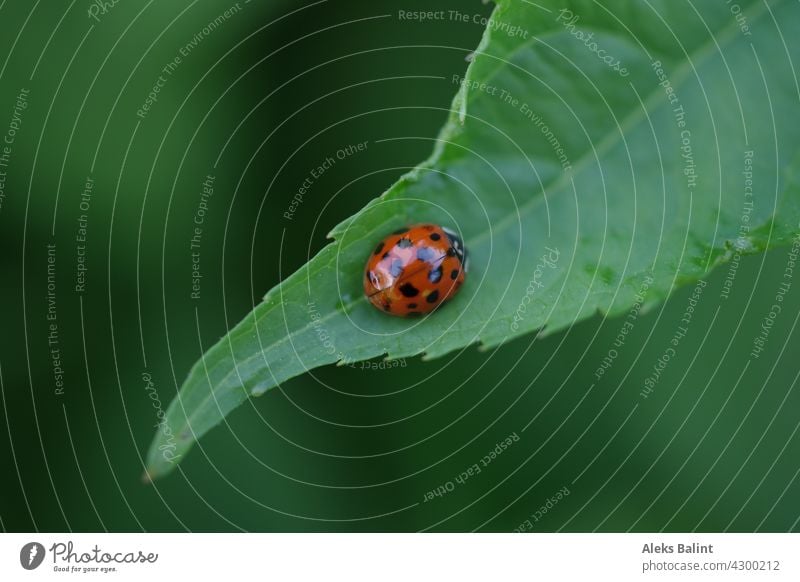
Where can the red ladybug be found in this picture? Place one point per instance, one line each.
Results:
(415, 269)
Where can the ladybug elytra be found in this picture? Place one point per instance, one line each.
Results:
(415, 269)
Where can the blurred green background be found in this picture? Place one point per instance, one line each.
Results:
(259, 99)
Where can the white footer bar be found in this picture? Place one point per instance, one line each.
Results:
(401, 557)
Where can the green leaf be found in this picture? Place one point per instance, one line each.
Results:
(583, 157)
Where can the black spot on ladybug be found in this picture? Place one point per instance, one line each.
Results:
(435, 275)
(455, 243)
(397, 268)
(412, 305)
(436, 236)
(454, 274)
(378, 249)
(433, 297)
(404, 243)
(426, 254)
(408, 290)
(400, 231)
(387, 307)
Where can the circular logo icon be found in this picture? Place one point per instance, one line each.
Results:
(31, 555)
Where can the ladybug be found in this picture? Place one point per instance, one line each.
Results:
(415, 269)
